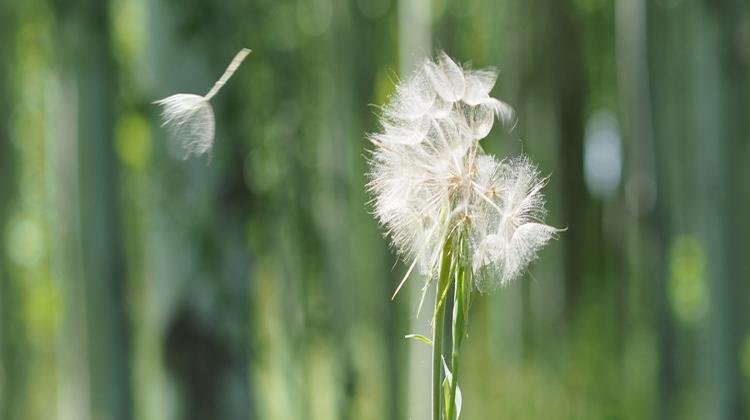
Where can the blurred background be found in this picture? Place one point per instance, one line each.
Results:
(256, 284)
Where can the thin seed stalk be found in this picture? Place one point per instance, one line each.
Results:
(437, 329)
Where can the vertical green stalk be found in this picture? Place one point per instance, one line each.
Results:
(459, 331)
(437, 331)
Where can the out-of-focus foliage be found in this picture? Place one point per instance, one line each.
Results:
(256, 284)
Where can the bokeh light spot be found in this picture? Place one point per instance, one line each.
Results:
(314, 16)
(25, 241)
(602, 154)
(42, 312)
(133, 140)
(687, 290)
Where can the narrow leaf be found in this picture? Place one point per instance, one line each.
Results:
(449, 382)
(419, 337)
(447, 396)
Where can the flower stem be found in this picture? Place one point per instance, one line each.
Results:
(459, 331)
(437, 332)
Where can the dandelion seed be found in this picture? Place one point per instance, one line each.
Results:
(190, 118)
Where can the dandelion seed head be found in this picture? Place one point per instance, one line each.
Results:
(429, 177)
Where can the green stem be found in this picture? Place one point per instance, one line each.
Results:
(459, 331)
(437, 331)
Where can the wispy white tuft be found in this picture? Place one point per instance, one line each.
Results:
(430, 178)
(511, 230)
(190, 118)
(190, 121)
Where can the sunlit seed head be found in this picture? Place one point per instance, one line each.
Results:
(430, 178)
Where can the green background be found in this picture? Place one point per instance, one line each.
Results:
(255, 284)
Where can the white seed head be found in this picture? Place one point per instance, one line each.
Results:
(429, 177)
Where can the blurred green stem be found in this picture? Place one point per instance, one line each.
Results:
(437, 332)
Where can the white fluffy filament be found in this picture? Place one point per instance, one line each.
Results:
(189, 118)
